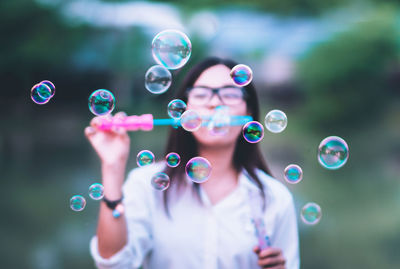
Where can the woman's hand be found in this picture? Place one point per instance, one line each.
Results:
(270, 258)
(111, 146)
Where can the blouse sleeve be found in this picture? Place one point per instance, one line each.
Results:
(137, 204)
(286, 234)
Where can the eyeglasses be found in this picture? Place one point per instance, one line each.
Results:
(229, 95)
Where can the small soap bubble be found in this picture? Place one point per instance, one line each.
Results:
(175, 108)
(333, 152)
(51, 86)
(253, 132)
(96, 191)
(157, 79)
(241, 74)
(191, 121)
(311, 213)
(40, 93)
(101, 102)
(144, 157)
(173, 159)
(275, 121)
(160, 181)
(77, 203)
(220, 121)
(293, 173)
(198, 169)
(171, 48)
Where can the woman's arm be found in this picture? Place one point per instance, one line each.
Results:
(111, 232)
(112, 147)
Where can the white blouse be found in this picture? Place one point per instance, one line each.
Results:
(199, 234)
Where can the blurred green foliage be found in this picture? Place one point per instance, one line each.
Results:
(347, 76)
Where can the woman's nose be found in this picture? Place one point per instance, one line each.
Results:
(215, 100)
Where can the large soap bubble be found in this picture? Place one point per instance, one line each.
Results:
(157, 79)
(198, 169)
(171, 48)
(333, 152)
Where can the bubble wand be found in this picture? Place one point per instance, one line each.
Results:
(146, 122)
(258, 221)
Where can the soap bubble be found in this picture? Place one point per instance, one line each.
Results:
(253, 132)
(157, 79)
(311, 213)
(101, 102)
(173, 159)
(144, 157)
(191, 120)
(171, 48)
(293, 173)
(77, 203)
(241, 75)
(333, 152)
(198, 169)
(51, 86)
(220, 121)
(175, 108)
(40, 93)
(276, 121)
(160, 181)
(96, 191)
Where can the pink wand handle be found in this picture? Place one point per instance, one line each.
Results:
(130, 123)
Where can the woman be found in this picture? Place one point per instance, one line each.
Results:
(190, 225)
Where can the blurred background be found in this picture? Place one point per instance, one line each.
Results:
(333, 66)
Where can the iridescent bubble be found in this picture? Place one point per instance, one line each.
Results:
(77, 203)
(157, 79)
(198, 169)
(333, 152)
(40, 93)
(241, 75)
(96, 191)
(101, 102)
(160, 181)
(311, 213)
(144, 157)
(175, 108)
(220, 121)
(171, 48)
(253, 132)
(191, 121)
(173, 159)
(293, 173)
(51, 86)
(276, 121)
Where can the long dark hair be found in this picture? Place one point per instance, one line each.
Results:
(185, 144)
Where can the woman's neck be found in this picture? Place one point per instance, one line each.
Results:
(221, 159)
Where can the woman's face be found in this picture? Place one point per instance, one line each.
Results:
(217, 76)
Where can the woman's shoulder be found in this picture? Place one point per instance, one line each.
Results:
(274, 187)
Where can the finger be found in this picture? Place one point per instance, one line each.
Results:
(118, 121)
(120, 114)
(118, 130)
(272, 261)
(256, 250)
(89, 131)
(270, 252)
(275, 267)
(95, 122)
